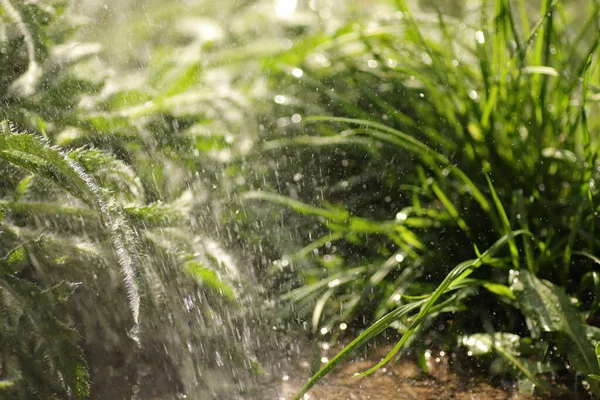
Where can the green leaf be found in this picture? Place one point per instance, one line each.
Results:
(26, 151)
(499, 289)
(511, 348)
(5, 384)
(449, 206)
(21, 16)
(335, 214)
(209, 278)
(318, 309)
(412, 144)
(154, 214)
(22, 187)
(364, 337)
(14, 261)
(428, 306)
(551, 310)
(34, 155)
(58, 293)
(455, 277)
(505, 223)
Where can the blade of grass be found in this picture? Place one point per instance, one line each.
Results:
(505, 223)
(367, 335)
(49, 208)
(316, 141)
(414, 145)
(459, 273)
(330, 238)
(318, 310)
(585, 130)
(449, 207)
(298, 206)
(524, 224)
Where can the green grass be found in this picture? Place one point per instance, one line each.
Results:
(437, 169)
(477, 139)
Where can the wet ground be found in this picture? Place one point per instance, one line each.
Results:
(403, 380)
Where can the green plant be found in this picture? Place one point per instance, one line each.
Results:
(108, 218)
(481, 133)
(441, 138)
(594, 376)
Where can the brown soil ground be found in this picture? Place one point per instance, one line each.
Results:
(403, 380)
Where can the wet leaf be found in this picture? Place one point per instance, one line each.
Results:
(14, 261)
(551, 310)
(512, 349)
(22, 187)
(209, 278)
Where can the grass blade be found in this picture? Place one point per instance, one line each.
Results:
(458, 274)
(414, 145)
(551, 310)
(505, 223)
(455, 276)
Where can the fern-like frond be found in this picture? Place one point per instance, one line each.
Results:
(32, 154)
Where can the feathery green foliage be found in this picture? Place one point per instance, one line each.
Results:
(474, 131)
(431, 138)
(107, 218)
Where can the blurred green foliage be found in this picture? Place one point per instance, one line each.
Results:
(437, 167)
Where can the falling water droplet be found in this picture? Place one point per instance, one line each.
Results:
(134, 334)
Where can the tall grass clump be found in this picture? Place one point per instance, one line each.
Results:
(466, 158)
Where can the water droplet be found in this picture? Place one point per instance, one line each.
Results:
(479, 37)
(325, 12)
(401, 216)
(334, 283)
(285, 8)
(426, 58)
